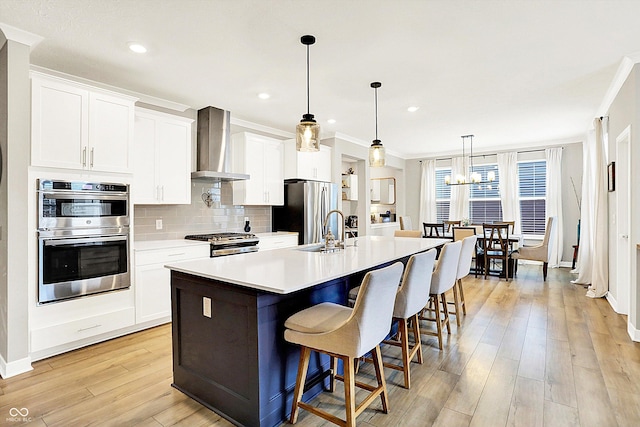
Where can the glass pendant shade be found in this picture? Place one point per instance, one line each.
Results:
(376, 151)
(308, 131)
(376, 154)
(308, 134)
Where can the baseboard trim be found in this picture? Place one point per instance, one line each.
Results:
(612, 302)
(11, 369)
(633, 332)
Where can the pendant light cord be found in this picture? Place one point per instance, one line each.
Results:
(376, 103)
(308, 79)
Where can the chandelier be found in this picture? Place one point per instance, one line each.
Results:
(474, 177)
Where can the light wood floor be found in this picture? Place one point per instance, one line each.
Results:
(528, 353)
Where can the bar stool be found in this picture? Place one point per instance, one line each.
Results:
(411, 298)
(464, 267)
(443, 279)
(347, 334)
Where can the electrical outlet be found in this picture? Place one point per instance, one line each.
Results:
(158, 224)
(206, 307)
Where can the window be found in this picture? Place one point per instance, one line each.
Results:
(484, 200)
(533, 176)
(443, 195)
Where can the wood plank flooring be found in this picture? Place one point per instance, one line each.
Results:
(528, 353)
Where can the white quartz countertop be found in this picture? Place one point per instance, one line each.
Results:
(283, 271)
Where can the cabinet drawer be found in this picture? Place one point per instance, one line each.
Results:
(75, 330)
(277, 242)
(156, 256)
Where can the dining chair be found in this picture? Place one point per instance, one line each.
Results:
(347, 334)
(511, 224)
(405, 223)
(433, 229)
(496, 246)
(539, 252)
(450, 224)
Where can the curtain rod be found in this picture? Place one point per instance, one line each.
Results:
(495, 154)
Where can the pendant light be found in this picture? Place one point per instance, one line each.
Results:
(308, 131)
(376, 151)
(474, 177)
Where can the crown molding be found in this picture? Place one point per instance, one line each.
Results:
(17, 35)
(262, 128)
(624, 69)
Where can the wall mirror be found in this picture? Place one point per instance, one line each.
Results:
(383, 191)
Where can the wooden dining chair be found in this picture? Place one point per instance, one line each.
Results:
(448, 225)
(433, 229)
(496, 246)
(511, 224)
(407, 233)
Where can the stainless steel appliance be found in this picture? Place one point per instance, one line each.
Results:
(228, 243)
(306, 204)
(352, 221)
(83, 239)
(214, 147)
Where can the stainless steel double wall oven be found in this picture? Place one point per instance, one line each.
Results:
(83, 239)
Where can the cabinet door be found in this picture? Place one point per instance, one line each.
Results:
(153, 292)
(143, 188)
(273, 175)
(59, 119)
(173, 161)
(323, 164)
(110, 133)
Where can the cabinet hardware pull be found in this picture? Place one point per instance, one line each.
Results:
(90, 327)
(91, 158)
(84, 157)
(162, 192)
(181, 253)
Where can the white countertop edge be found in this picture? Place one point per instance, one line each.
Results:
(199, 268)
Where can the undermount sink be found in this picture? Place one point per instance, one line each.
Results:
(318, 248)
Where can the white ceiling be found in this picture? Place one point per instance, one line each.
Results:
(514, 73)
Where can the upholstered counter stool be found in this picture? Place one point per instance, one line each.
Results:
(347, 334)
(411, 298)
(464, 267)
(443, 279)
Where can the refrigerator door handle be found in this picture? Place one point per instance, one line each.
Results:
(323, 208)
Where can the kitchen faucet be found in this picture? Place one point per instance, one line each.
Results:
(339, 244)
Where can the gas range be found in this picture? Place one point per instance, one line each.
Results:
(228, 243)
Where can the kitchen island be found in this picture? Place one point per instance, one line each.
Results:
(228, 320)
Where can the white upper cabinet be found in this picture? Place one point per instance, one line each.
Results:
(262, 158)
(75, 126)
(315, 166)
(162, 159)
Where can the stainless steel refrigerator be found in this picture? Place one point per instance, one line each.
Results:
(306, 204)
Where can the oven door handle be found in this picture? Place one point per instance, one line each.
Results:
(89, 240)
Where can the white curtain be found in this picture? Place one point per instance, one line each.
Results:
(593, 257)
(508, 173)
(459, 207)
(553, 205)
(583, 263)
(428, 192)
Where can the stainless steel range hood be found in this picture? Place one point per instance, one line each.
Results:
(214, 147)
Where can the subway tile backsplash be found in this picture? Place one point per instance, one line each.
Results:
(197, 218)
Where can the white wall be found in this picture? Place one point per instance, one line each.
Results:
(15, 119)
(625, 111)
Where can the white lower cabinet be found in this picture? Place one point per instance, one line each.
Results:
(153, 280)
(80, 329)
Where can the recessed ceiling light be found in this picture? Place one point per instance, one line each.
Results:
(264, 95)
(413, 109)
(137, 47)
(332, 121)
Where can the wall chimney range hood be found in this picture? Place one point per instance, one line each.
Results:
(214, 147)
